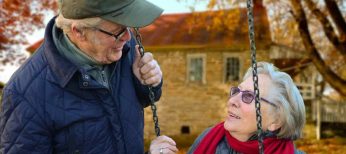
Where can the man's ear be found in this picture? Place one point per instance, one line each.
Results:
(77, 33)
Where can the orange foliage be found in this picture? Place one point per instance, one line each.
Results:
(15, 16)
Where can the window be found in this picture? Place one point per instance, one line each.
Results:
(196, 68)
(185, 130)
(306, 90)
(232, 69)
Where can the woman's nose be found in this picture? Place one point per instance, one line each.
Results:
(234, 101)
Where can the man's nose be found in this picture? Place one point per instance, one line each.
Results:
(126, 36)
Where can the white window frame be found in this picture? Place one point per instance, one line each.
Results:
(231, 55)
(189, 58)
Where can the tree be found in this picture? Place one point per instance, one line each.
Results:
(17, 19)
(338, 42)
(322, 35)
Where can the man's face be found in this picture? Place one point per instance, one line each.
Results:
(103, 47)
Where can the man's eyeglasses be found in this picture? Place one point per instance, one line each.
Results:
(247, 96)
(116, 36)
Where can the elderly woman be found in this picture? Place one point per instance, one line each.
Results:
(282, 110)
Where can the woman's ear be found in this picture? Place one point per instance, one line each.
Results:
(275, 125)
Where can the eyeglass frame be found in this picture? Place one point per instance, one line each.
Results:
(251, 93)
(115, 36)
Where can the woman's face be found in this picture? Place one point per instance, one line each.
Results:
(241, 118)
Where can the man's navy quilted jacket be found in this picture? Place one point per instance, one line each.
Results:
(51, 106)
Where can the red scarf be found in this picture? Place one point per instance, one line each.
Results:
(272, 145)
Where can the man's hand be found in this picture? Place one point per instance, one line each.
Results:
(146, 69)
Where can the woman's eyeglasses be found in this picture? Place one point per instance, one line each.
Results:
(246, 96)
(116, 36)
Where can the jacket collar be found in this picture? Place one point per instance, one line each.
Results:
(62, 69)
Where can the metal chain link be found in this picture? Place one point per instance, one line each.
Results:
(151, 93)
(254, 74)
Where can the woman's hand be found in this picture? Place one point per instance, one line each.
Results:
(163, 145)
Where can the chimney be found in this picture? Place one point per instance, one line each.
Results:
(258, 3)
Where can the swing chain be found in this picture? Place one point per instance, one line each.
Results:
(151, 93)
(255, 75)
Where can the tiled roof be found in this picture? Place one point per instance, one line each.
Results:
(176, 30)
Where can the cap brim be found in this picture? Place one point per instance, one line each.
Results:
(139, 13)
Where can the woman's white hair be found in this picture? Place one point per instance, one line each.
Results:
(285, 94)
(65, 24)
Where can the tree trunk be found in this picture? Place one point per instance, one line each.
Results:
(333, 79)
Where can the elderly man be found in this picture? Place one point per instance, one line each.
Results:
(84, 89)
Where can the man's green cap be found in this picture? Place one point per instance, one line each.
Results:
(131, 13)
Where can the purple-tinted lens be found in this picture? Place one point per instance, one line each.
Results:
(247, 97)
(234, 91)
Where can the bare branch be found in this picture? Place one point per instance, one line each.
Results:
(327, 27)
(337, 17)
(332, 78)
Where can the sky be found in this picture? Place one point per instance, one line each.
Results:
(169, 7)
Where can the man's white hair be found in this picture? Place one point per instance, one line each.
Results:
(65, 24)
